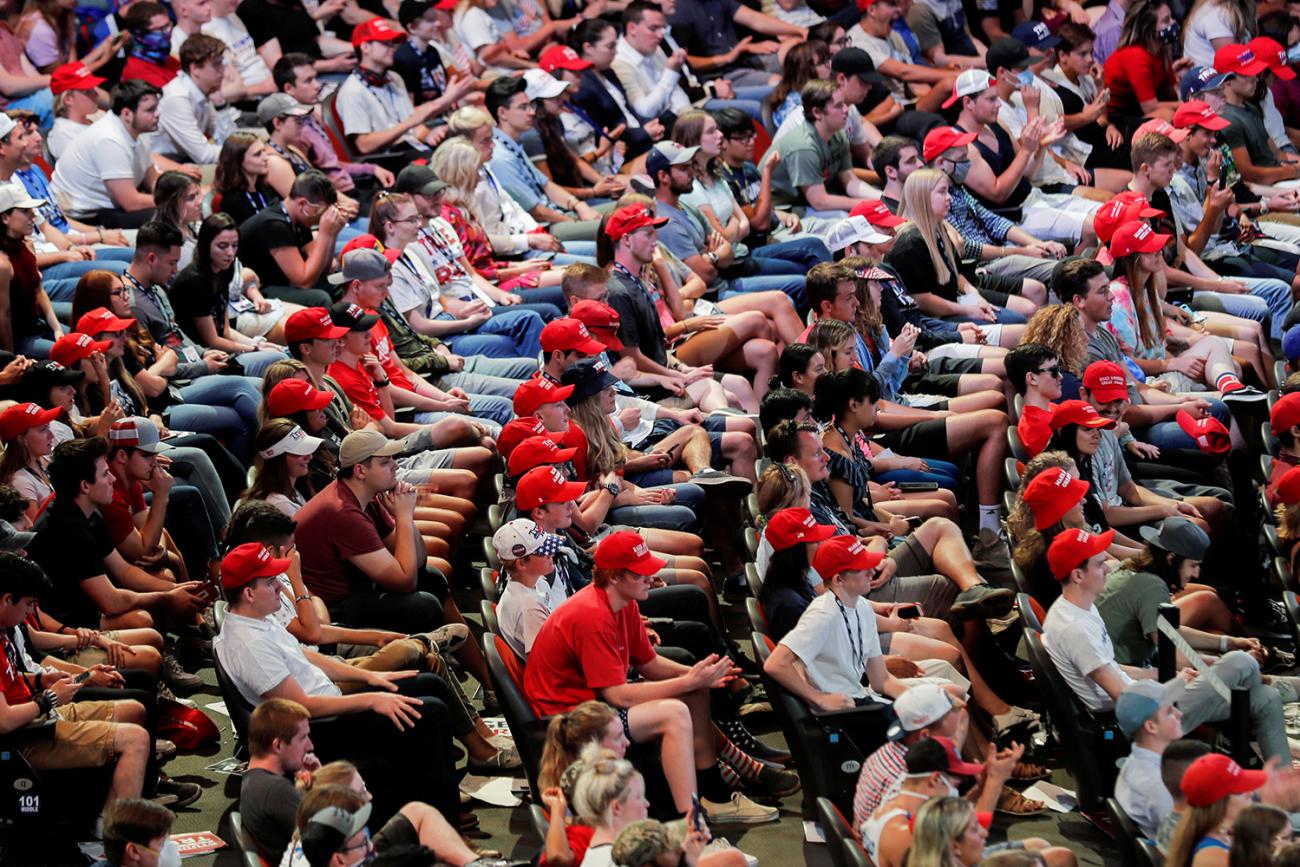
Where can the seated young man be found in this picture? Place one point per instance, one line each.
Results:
(86, 734)
(526, 554)
(95, 586)
(406, 710)
(279, 750)
(1035, 373)
(1075, 637)
(584, 651)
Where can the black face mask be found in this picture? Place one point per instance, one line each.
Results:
(1168, 35)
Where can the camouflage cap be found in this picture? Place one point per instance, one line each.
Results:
(642, 842)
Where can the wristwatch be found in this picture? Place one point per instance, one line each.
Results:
(612, 487)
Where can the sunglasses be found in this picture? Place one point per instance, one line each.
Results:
(1054, 370)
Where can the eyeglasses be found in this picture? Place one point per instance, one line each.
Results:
(1054, 370)
(406, 220)
(121, 292)
(843, 42)
(743, 137)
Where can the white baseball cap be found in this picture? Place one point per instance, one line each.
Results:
(922, 705)
(853, 230)
(540, 84)
(295, 442)
(522, 538)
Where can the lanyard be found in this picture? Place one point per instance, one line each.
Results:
(857, 647)
(856, 453)
(259, 202)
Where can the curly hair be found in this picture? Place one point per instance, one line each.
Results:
(1057, 326)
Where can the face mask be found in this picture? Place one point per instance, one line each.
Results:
(170, 856)
(1024, 78)
(1168, 35)
(959, 172)
(151, 45)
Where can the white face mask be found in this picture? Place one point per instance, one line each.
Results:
(170, 856)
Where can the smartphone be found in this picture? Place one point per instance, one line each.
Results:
(909, 612)
(914, 521)
(697, 813)
(1223, 180)
(83, 677)
(914, 487)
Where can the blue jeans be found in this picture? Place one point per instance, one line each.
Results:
(1004, 317)
(749, 99)
(224, 406)
(942, 473)
(1267, 296)
(478, 384)
(34, 346)
(194, 465)
(544, 305)
(682, 515)
(1168, 435)
(506, 368)
(790, 284)
(60, 281)
(800, 254)
(510, 333)
(256, 363)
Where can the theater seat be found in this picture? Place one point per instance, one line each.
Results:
(244, 842)
(753, 579)
(827, 759)
(1031, 613)
(757, 616)
(1127, 833)
(1017, 447)
(836, 830)
(1151, 856)
(488, 610)
(487, 578)
(854, 854)
(528, 730)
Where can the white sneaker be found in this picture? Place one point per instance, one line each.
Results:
(738, 810)
(722, 844)
(1014, 717)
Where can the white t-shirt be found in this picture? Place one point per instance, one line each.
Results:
(260, 654)
(105, 151)
(521, 611)
(1209, 22)
(1078, 643)
(230, 30)
(599, 856)
(363, 108)
(64, 132)
(891, 47)
(31, 486)
(475, 28)
(1013, 118)
(288, 505)
(413, 287)
(834, 644)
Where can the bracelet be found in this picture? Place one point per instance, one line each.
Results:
(63, 629)
(381, 383)
(46, 701)
(100, 232)
(1223, 644)
(1263, 206)
(302, 597)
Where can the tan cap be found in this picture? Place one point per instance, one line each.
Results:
(362, 445)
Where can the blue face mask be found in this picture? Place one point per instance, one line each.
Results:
(151, 45)
(1024, 78)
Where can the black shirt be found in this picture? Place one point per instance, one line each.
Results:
(192, 297)
(270, 229)
(784, 606)
(638, 320)
(287, 21)
(243, 205)
(422, 72)
(910, 259)
(71, 549)
(998, 161)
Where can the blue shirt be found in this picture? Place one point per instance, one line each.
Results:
(524, 183)
(973, 221)
(1141, 791)
(38, 187)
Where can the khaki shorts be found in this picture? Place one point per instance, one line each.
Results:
(88, 656)
(83, 738)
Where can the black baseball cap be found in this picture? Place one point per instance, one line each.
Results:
(418, 179)
(42, 376)
(352, 317)
(855, 61)
(1007, 53)
(588, 377)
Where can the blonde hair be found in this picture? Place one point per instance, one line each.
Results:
(567, 735)
(915, 206)
(456, 161)
(603, 781)
(1147, 300)
(1057, 326)
(828, 335)
(277, 373)
(869, 319)
(605, 451)
(336, 773)
(465, 120)
(1288, 521)
(939, 822)
(1195, 824)
(783, 486)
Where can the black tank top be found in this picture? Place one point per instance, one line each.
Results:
(998, 160)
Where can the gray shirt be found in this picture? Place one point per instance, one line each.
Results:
(1141, 791)
(151, 307)
(806, 160)
(268, 808)
(1109, 472)
(1102, 346)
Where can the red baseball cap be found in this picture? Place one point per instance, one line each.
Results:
(941, 138)
(22, 417)
(74, 346)
(629, 218)
(1106, 380)
(1122, 209)
(536, 451)
(1194, 112)
(844, 554)
(516, 431)
(1051, 494)
(1080, 413)
(375, 30)
(1285, 414)
(532, 393)
(1035, 429)
(627, 550)
(877, 213)
(1239, 60)
(74, 76)
(1273, 54)
(542, 485)
(1136, 237)
(101, 319)
(1210, 434)
(1288, 487)
(600, 318)
(1073, 548)
(1163, 127)
(562, 57)
(313, 323)
(1214, 777)
(563, 335)
(295, 395)
(789, 527)
(248, 562)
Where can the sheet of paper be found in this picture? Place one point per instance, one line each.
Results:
(812, 832)
(198, 843)
(94, 850)
(1056, 798)
(218, 707)
(497, 791)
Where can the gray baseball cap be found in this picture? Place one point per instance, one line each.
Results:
(12, 538)
(278, 105)
(1178, 536)
(1141, 699)
(361, 264)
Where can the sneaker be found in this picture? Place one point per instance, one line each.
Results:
(726, 482)
(446, 640)
(745, 741)
(164, 750)
(1017, 716)
(738, 810)
(982, 600)
(722, 844)
(778, 782)
(1242, 394)
(502, 760)
(173, 793)
(991, 551)
(491, 705)
(736, 583)
(177, 677)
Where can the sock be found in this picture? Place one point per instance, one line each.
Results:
(730, 777)
(991, 518)
(711, 785)
(742, 762)
(1228, 382)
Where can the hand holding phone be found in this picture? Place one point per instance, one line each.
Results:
(908, 612)
(83, 677)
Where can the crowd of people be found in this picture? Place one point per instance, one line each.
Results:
(878, 312)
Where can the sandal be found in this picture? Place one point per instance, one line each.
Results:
(1012, 803)
(1026, 772)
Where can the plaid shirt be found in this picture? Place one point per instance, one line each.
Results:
(973, 221)
(880, 777)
